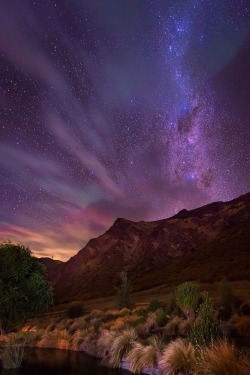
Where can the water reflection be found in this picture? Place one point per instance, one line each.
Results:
(60, 362)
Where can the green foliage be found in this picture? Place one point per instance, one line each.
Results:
(205, 330)
(125, 312)
(124, 291)
(75, 311)
(172, 308)
(154, 305)
(24, 290)
(161, 318)
(138, 321)
(139, 312)
(187, 297)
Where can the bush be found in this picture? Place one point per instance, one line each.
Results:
(154, 305)
(75, 311)
(161, 318)
(138, 321)
(24, 289)
(187, 297)
(139, 312)
(178, 356)
(205, 330)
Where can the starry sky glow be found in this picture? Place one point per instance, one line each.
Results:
(108, 109)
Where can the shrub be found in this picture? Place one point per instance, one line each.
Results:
(187, 297)
(161, 318)
(75, 311)
(24, 289)
(154, 305)
(222, 358)
(125, 311)
(178, 356)
(205, 329)
(139, 312)
(138, 321)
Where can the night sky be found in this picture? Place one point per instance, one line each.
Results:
(116, 108)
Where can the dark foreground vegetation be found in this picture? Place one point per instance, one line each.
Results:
(187, 334)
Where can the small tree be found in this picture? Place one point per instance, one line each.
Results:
(24, 290)
(123, 291)
(187, 297)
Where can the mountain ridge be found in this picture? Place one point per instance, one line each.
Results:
(141, 248)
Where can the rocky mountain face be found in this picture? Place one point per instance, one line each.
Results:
(144, 248)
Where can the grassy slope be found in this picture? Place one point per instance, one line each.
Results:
(227, 255)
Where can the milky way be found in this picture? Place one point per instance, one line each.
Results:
(109, 109)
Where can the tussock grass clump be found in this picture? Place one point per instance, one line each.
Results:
(134, 357)
(122, 323)
(178, 356)
(89, 344)
(141, 355)
(77, 339)
(77, 324)
(151, 322)
(172, 328)
(222, 358)
(56, 339)
(104, 342)
(121, 345)
(12, 353)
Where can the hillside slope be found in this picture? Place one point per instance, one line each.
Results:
(190, 245)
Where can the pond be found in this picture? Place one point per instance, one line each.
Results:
(61, 362)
